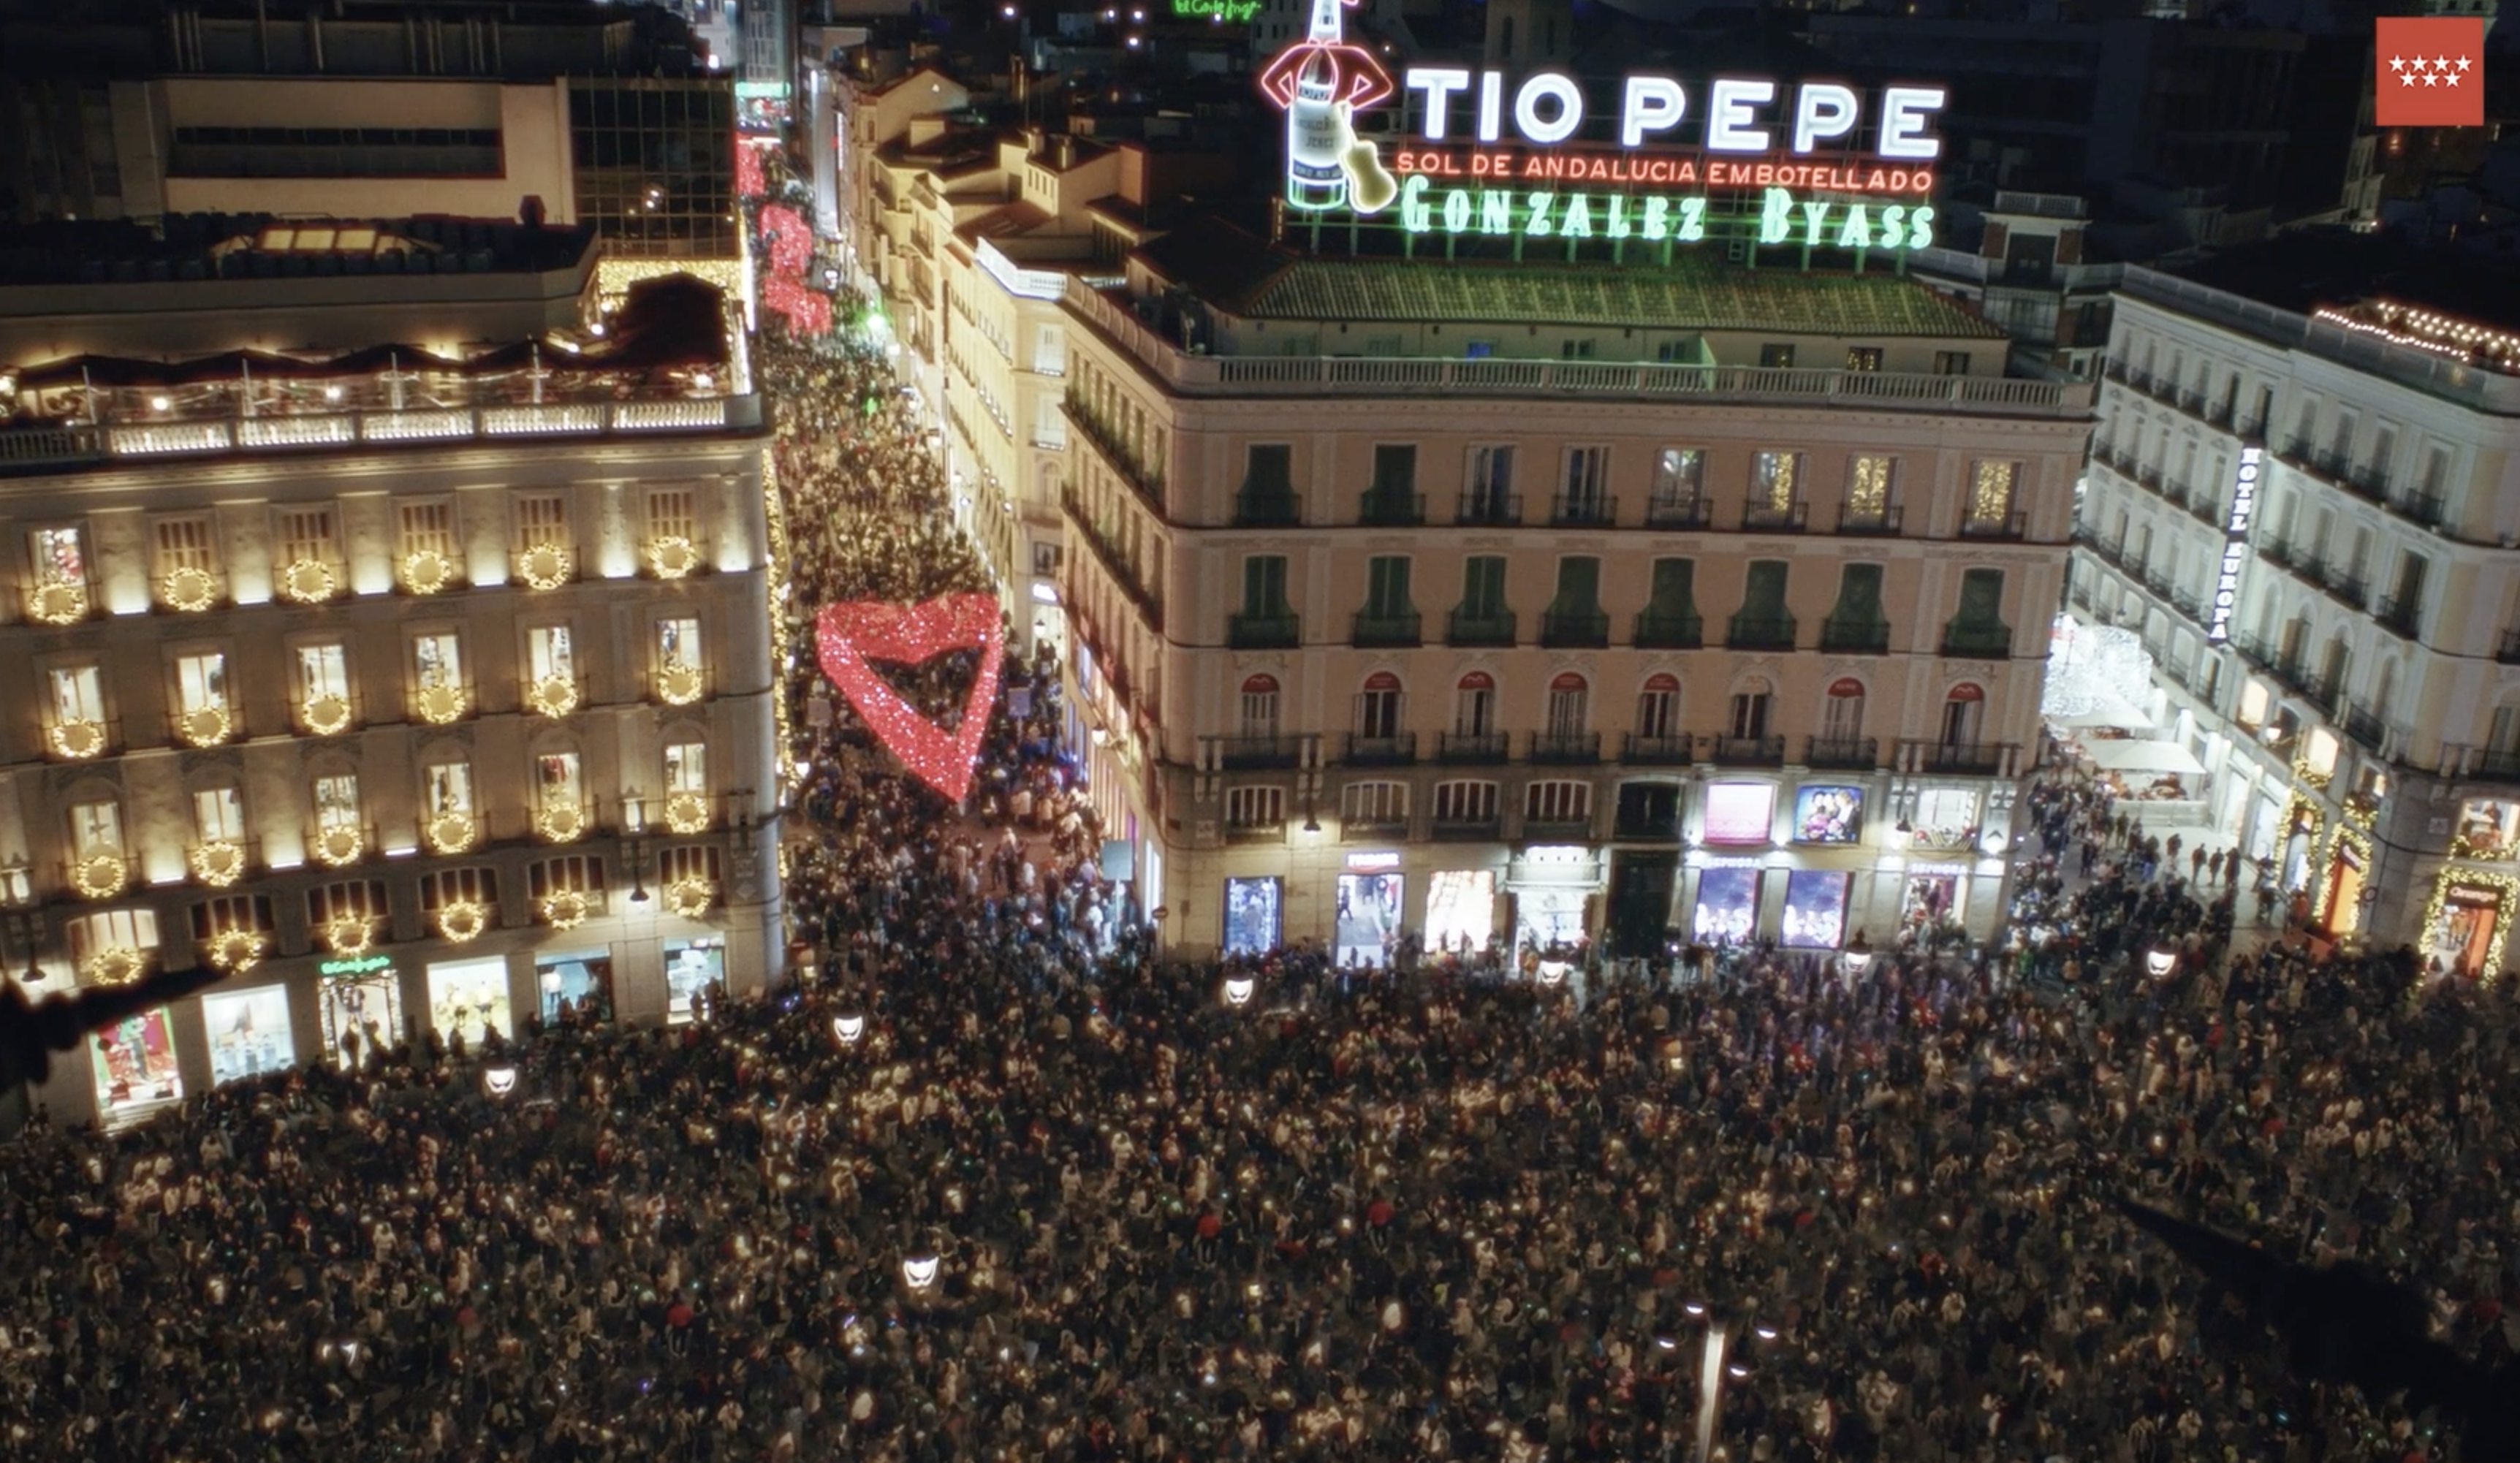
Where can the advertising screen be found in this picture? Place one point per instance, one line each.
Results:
(1946, 819)
(134, 1061)
(249, 1033)
(1814, 916)
(1369, 917)
(1740, 812)
(1460, 909)
(1727, 906)
(1828, 814)
(690, 967)
(1251, 915)
(469, 999)
(1932, 894)
(362, 1013)
(576, 982)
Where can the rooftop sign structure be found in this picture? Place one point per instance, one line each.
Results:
(1647, 158)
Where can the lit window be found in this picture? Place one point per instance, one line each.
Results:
(1255, 807)
(1558, 802)
(337, 801)
(181, 562)
(542, 523)
(1260, 706)
(437, 660)
(673, 513)
(1771, 480)
(96, 829)
(110, 929)
(687, 767)
(1374, 803)
(678, 644)
(549, 653)
(306, 536)
(450, 788)
(1991, 485)
(1465, 802)
(78, 694)
(1867, 487)
(428, 528)
(323, 671)
(218, 815)
(58, 559)
(557, 780)
(202, 681)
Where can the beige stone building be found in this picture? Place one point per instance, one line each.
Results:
(1547, 603)
(411, 692)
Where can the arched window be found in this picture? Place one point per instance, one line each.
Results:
(1378, 708)
(1964, 714)
(1570, 704)
(1474, 705)
(1658, 707)
(1842, 710)
(1751, 709)
(1260, 706)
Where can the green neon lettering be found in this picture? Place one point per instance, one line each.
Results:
(1414, 216)
(1920, 228)
(1692, 219)
(1813, 216)
(1495, 211)
(1538, 223)
(1894, 221)
(1657, 221)
(1578, 223)
(1775, 216)
(1615, 224)
(1857, 230)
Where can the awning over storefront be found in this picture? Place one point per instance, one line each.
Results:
(2141, 757)
(2119, 715)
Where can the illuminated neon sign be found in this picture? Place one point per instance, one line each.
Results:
(357, 966)
(1780, 217)
(1223, 12)
(2235, 544)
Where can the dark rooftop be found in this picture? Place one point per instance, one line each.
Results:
(251, 246)
(2337, 269)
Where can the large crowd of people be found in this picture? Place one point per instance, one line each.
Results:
(1004, 1183)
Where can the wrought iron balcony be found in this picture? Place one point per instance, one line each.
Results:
(1575, 629)
(1566, 746)
(1842, 752)
(1978, 641)
(1883, 520)
(2426, 510)
(2012, 525)
(1373, 630)
(1975, 758)
(1464, 629)
(1666, 629)
(1750, 751)
(1462, 829)
(1275, 632)
(2347, 587)
(1663, 828)
(1245, 752)
(1557, 829)
(1760, 633)
(2403, 618)
(1267, 510)
(1855, 638)
(1380, 509)
(1674, 512)
(1482, 507)
(1472, 746)
(1654, 751)
(1773, 517)
(2365, 725)
(1398, 749)
(1583, 510)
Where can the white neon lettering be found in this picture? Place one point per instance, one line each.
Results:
(1438, 83)
(1548, 85)
(1732, 124)
(1490, 105)
(1650, 103)
(1904, 121)
(1822, 112)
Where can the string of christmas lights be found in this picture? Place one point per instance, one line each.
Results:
(851, 635)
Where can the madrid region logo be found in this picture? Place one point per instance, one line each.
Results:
(1322, 82)
(2430, 72)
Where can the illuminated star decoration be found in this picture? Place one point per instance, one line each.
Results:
(851, 635)
(1362, 80)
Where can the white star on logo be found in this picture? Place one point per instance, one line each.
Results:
(2442, 61)
(2431, 80)
(2451, 81)
(2397, 63)
(2462, 63)
(2409, 78)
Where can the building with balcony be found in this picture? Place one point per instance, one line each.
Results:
(409, 690)
(1553, 602)
(2300, 498)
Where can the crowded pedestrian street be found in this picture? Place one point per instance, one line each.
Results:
(996, 1177)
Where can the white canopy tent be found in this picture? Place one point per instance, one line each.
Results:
(2118, 714)
(2143, 757)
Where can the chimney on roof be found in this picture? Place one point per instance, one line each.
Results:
(530, 213)
(1066, 153)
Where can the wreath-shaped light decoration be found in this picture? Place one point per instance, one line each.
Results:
(218, 862)
(438, 705)
(546, 566)
(327, 715)
(339, 845)
(113, 965)
(561, 823)
(349, 935)
(237, 951)
(205, 726)
(426, 571)
(671, 556)
(78, 740)
(308, 582)
(100, 875)
(553, 695)
(565, 909)
(450, 833)
(679, 684)
(59, 604)
(689, 898)
(462, 920)
(686, 812)
(188, 590)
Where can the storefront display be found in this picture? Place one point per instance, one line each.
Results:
(1253, 912)
(1369, 918)
(1740, 812)
(1933, 893)
(249, 1033)
(1551, 917)
(134, 1063)
(575, 983)
(1947, 817)
(469, 999)
(2471, 920)
(2349, 866)
(362, 1009)
(1828, 814)
(1728, 905)
(2488, 828)
(1814, 916)
(691, 966)
(1460, 909)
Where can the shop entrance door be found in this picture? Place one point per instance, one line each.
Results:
(1641, 885)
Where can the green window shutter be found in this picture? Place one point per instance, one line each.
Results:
(1674, 587)
(1858, 597)
(1264, 586)
(1395, 471)
(1763, 593)
(1579, 586)
(1386, 588)
(1269, 474)
(1981, 600)
(1483, 586)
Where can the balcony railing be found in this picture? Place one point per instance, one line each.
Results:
(1276, 632)
(1842, 752)
(1760, 633)
(1373, 630)
(1975, 758)
(1690, 511)
(1566, 746)
(1376, 827)
(1264, 830)
(2012, 525)
(1557, 829)
(1267, 510)
(1462, 829)
(1773, 517)
(2424, 509)
(1750, 751)
(2365, 725)
(1472, 746)
(1980, 641)
(1503, 509)
(2403, 618)
(1654, 751)
(1575, 629)
(1663, 828)
(1583, 510)
(1389, 509)
(1399, 749)
(2347, 587)
(1464, 629)
(1245, 752)
(1858, 638)
(1668, 629)
(1883, 520)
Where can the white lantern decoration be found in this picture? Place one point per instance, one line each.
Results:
(919, 1270)
(2160, 960)
(498, 1082)
(848, 1028)
(1238, 989)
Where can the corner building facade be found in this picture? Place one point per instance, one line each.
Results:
(1553, 603)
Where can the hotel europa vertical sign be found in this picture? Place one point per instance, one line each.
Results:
(1648, 158)
(2235, 544)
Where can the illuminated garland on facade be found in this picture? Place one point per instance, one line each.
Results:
(114, 965)
(2436, 910)
(349, 935)
(546, 566)
(307, 582)
(426, 571)
(565, 909)
(451, 833)
(782, 644)
(679, 684)
(327, 715)
(339, 845)
(237, 951)
(439, 705)
(100, 875)
(686, 812)
(205, 726)
(2337, 842)
(553, 695)
(561, 823)
(689, 898)
(218, 862)
(461, 921)
(78, 740)
(187, 591)
(58, 604)
(672, 556)
(2404, 325)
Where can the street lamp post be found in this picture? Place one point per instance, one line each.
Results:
(18, 908)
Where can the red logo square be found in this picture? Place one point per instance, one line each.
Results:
(2430, 72)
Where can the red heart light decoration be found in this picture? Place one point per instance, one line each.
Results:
(850, 636)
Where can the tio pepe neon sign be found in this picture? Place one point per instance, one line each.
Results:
(2235, 542)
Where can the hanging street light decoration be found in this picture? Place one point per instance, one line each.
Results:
(851, 636)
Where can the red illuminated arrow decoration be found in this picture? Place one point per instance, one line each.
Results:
(851, 636)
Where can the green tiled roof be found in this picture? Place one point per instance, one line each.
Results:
(1243, 276)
